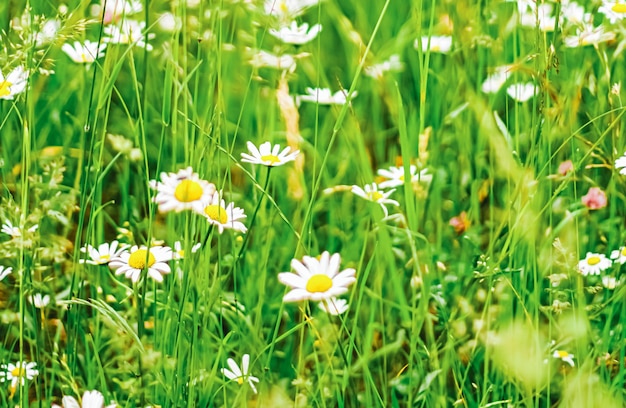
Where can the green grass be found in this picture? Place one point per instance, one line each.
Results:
(437, 317)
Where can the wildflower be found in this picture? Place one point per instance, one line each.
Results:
(317, 279)
(371, 193)
(17, 373)
(47, 33)
(15, 232)
(324, 96)
(613, 10)
(128, 32)
(224, 217)
(619, 255)
(284, 62)
(334, 306)
(91, 399)
(4, 272)
(565, 167)
(595, 199)
(112, 10)
(39, 301)
(86, 53)
(132, 262)
(395, 176)
(460, 223)
(295, 34)
(495, 81)
(588, 36)
(539, 16)
(564, 356)
(593, 264)
(620, 164)
(286, 10)
(240, 374)
(574, 13)
(103, 254)
(268, 155)
(436, 43)
(609, 282)
(179, 252)
(14, 83)
(393, 64)
(522, 92)
(180, 191)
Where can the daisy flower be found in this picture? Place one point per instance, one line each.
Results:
(39, 301)
(593, 264)
(240, 375)
(14, 83)
(265, 59)
(286, 10)
(588, 36)
(296, 34)
(180, 191)
(18, 372)
(522, 92)
(113, 10)
(91, 399)
(613, 10)
(268, 155)
(103, 254)
(128, 32)
(47, 33)
(15, 232)
(223, 216)
(395, 176)
(497, 79)
(131, 262)
(619, 255)
(393, 64)
(564, 356)
(620, 164)
(595, 198)
(179, 252)
(4, 272)
(609, 282)
(317, 279)
(85, 53)
(334, 306)
(436, 43)
(371, 193)
(324, 96)
(541, 16)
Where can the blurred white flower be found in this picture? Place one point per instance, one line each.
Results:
(371, 193)
(613, 10)
(286, 10)
(522, 92)
(588, 36)
(284, 62)
(128, 32)
(435, 43)
(497, 79)
(5, 271)
(14, 83)
(85, 53)
(324, 96)
(39, 301)
(296, 34)
(334, 306)
(541, 17)
(620, 164)
(240, 375)
(393, 64)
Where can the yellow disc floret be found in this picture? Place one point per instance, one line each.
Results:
(319, 283)
(188, 191)
(216, 213)
(593, 260)
(138, 258)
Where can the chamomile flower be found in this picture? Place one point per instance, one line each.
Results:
(183, 190)
(39, 301)
(286, 10)
(131, 262)
(5, 271)
(85, 53)
(610, 282)
(522, 92)
(223, 216)
(619, 255)
(90, 399)
(540, 16)
(103, 254)
(588, 36)
(324, 96)
(266, 59)
(18, 372)
(268, 155)
(564, 356)
(376, 71)
(14, 83)
(436, 43)
(613, 10)
(593, 264)
(620, 164)
(15, 232)
(394, 176)
(113, 10)
(497, 79)
(296, 34)
(240, 375)
(371, 193)
(128, 32)
(334, 306)
(179, 252)
(317, 279)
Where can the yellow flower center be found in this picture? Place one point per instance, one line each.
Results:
(270, 158)
(216, 213)
(85, 58)
(375, 195)
(623, 251)
(619, 8)
(240, 380)
(593, 260)
(104, 258)
(138, 258)
(283, 7)
(319, 283)
(188, 191)
(18, 372)
(562, 354)
(5, 88)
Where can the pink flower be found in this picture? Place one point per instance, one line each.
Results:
(565, 167)
(460, 223)
(594, 199)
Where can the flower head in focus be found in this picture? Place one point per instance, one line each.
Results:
(593, 264)
(268, 155)
(240, 375)
(371, 193)
(132, 262)
(183, 190)
(14, 83)
(223, 216)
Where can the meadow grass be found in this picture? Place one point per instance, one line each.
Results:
(492, 278)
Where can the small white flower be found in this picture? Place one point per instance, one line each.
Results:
(619, 255)
(132, 262)
(334, 306)
(103, 254)
(240, 375)
(15, 232)
(85, 53)
(179, 252)
(588, 36)
(593, 264)
(324, 96)
(4, 272)
(183, 190)
(48, 32)
(609, 282)
(564, 356)
(620, 164)
(39, 301)
(223, 216)
(317, 279)
(541, 16)
(371, 193)
(296, 34)
(283, 62)
(495, 81)
(91, 399)
(268, 155)
(128, 32)
(436, 43)
(286, 10)
(522, 92)
(113, 10)
(395, 176)
(613, 10)
(14, 83)
(170, 23)
(393, 64)
(17, 373)
(574, 13)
